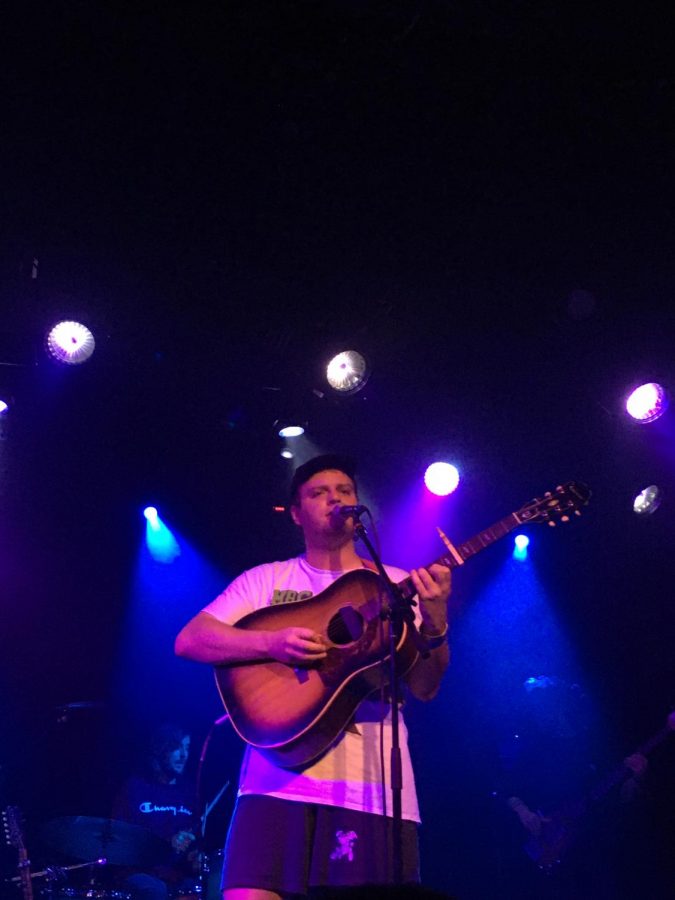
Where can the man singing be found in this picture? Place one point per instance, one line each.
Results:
(327, 824)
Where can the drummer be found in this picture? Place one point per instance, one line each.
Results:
(161, 801)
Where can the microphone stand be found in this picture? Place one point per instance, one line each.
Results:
(399, 611)
(206, 806)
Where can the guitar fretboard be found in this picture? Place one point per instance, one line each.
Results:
(469, 548)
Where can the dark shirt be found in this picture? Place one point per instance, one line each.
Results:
(164, 809)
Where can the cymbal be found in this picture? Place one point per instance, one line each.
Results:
(122, 844)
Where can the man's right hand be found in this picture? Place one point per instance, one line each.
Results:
(296, 646)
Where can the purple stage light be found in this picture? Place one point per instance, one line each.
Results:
(647, 403)
(4, 406)
(441, 478)
(70, 343)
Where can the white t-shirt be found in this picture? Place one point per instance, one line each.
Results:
(349, 774)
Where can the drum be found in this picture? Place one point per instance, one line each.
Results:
(207, 886)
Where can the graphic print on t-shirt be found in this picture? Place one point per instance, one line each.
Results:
(289, 596)
(345, 845)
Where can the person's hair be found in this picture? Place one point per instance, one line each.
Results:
(321, 464)
(165, 739)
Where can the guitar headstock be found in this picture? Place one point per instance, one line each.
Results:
(567, 499)
(11, 822)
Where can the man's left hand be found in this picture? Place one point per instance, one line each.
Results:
(433, 589)
(182, 840)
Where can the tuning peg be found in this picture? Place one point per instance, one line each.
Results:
(551, 524)
(577, 512)
(548, 494)
(565, 519)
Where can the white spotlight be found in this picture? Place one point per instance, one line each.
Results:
(647, 501)
(291, 431)
(347, 372)
(71, 343)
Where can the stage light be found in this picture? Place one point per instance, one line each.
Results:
(441, 478)
(520, 545)
(291, 431)
(161, 544)
(647, 501)
(347, 372)
(70, 343)
(150, 513)
(286, 453)
(4, 406)
(647, 403)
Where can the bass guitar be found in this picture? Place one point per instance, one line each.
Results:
(293, 715)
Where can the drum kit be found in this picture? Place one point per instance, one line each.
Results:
(101, 842)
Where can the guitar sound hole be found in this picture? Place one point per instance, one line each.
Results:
(346, 626)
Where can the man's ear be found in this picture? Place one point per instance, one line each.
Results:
(294, 513)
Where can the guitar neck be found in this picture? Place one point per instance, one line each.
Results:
(24, 872)
(617, 775)
(468, 549)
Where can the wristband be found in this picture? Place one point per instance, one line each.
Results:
(435, 640)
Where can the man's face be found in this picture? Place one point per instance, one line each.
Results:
(317, 497)
(174, 760)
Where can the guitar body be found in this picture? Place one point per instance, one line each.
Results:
(557, 834)
(293, 715)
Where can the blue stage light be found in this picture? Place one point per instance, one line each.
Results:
(161, 544)
(521, 543)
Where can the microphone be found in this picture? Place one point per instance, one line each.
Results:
(340, 513)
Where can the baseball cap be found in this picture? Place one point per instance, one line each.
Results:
(322, 463)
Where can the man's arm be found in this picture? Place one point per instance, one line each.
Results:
(208, 640)
(433, 590)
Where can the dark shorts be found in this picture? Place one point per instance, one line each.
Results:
(288, 847)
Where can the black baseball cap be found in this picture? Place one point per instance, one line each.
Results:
(322, 463)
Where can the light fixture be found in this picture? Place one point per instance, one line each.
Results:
(647, 501)
(70, 343)
(286, 453)
(347, 372)
(289, 431)
(520, 545)
(647, 403)
(441, 478)
(4, 406)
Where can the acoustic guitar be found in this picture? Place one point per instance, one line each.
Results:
(293, 715)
